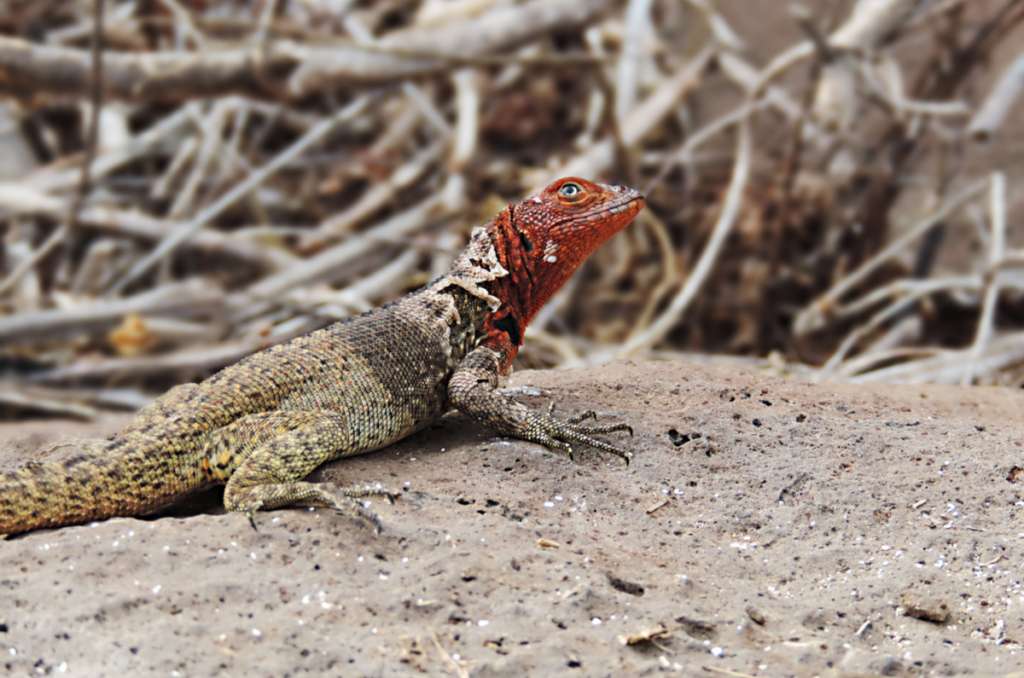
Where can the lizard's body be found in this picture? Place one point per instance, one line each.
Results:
(264, 423)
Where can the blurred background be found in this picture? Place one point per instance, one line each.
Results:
(834, 187)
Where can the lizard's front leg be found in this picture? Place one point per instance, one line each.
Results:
(473, 390)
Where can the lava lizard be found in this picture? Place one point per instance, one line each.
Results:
(263, 424)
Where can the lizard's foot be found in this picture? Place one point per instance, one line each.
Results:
(561, 435)
(346, 500)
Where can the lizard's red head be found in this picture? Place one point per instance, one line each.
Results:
(544, 239)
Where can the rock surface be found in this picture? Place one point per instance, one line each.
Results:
(784, 539)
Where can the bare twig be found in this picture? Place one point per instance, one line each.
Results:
(731, 206)
(191, 297)
(640, 121)
(997, 247)
(329, 264)
(816, 314)
(999, 102)
(313, 136)
(60, 235)
(947, 366)
(266, 69)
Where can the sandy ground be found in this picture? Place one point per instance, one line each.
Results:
(824, 530)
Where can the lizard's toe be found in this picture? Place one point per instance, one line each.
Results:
(349, 502)
(581, 417)
(560, 446)
(377, 490)
(361, 511)
(559, 435)
(609, 428)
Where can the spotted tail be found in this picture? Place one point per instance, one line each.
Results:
(87, 487)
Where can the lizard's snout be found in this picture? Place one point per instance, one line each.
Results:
(627, 192)
(630, 198)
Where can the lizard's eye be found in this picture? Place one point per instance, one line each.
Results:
(570, 191)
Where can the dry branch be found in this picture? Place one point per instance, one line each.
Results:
(1009, 90)
(187, 298)
(284, 69)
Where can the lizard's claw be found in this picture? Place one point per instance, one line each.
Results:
(357, 509)
(559, 435)
(348, 502)
(579, 418)
(251, 515)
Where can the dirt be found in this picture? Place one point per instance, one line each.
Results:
(767, 527)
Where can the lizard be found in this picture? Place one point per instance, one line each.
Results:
(263, 424)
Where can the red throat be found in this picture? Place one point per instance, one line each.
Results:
(541, 241)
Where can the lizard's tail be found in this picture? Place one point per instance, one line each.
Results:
(81, 489)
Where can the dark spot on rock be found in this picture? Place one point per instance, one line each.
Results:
(697, 628)
(891, 667)
(801, 418)
(624, 585)
(678, 438)
(925, 608)
(755, 615)
(1015, 475)
(756, 422)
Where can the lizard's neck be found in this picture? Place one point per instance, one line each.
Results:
(476, 269)
(490, 273)
(494, 268)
